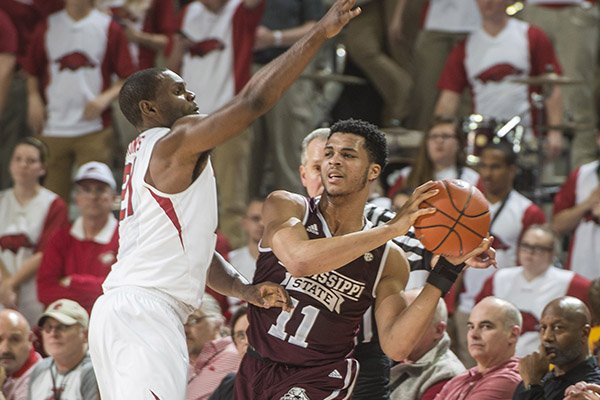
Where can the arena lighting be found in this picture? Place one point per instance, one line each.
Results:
(514, 8)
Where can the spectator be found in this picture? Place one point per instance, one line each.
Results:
(534, 284)
(244, 258)
(511, 214)
(431, 363)
(279, 133)
(441, 155)
(17, 355)
(494, 327)
(564, 330)
(572, 26)
(213, 355)
(213, 52)
(239, 325)
(577, 210)
(501, 50)
(78, 258)
(71, 60)
(67, 373)
(594, 302)
(30, 215)
(15, 33)
(445, 23)
(148, 25)
(386, 66)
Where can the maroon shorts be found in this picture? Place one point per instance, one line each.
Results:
(261, 379)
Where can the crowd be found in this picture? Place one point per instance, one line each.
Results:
(494, 331)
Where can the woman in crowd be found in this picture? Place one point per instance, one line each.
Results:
(30, 214)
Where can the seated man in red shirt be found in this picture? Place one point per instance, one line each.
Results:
(77, 259)
(493, 330)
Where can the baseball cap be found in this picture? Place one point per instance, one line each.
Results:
(66, 312)
(96, 171)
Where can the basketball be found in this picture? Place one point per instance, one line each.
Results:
(461, 222)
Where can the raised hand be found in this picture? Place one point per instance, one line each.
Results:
(267, 295)
(533, 367)
(482, 257)
(340, 13)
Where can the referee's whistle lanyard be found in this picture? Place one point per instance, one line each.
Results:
(495, 217)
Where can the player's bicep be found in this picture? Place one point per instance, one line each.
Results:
(282, 214)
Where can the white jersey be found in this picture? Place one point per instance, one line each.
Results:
(77, 49)
(21, 231)
(530, 297)
(584, 251)
(166, 241)
(243, 262)
(509, 221)
(452, 16)
(208, 68)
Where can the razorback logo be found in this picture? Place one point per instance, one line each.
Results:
(204, 47)
(74, 61)
(498, 72)
(15, 242)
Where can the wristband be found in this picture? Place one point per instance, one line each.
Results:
(277, 38)
(443, 275)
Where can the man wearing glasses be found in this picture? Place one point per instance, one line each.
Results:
(67, 373)
(533, 284)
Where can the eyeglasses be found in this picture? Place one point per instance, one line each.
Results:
(534, 249)
(442, 136)
(58, 328)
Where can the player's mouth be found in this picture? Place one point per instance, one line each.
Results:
(334, 177)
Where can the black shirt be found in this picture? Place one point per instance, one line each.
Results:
(553, 387)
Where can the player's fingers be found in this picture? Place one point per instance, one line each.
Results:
(423, 211)
(423, 188)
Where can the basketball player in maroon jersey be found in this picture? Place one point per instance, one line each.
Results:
(334, 268)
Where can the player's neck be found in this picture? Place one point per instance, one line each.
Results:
(344, 214)
(494, 25)
(253, 249)
(24, 194)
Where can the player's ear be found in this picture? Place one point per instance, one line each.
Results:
(147, 107)
(374, 171)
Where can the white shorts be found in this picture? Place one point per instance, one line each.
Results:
(138, 347)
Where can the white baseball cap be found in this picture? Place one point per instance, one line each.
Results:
(66, 312)
(96, 171)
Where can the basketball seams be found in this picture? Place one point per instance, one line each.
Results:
(451, 218)
(454, 219)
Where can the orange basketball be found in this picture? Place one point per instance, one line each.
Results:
(461, 221)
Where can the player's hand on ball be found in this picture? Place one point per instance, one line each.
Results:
(267, 295)
(482, 257)
(410, 211)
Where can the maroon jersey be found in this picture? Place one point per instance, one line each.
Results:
(328, 307)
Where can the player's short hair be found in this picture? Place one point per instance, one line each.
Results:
(239, 313)
(142, 85)
(375, 141)
(510, 157)
(320, 133)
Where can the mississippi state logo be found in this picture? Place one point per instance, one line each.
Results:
(295, 393)
(368, 257)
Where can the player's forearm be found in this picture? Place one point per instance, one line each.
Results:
(223, 278)
(399, 335)
(309, 257)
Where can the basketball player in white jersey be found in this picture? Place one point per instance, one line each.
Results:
(168, 220)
